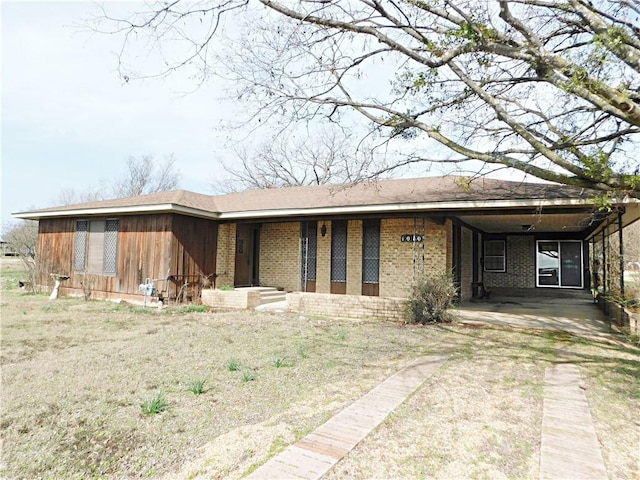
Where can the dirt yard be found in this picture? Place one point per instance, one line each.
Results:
(75, 375)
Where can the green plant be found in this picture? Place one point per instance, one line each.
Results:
(233, 365)
(225, 287)
(156, 404)
(302, 352)
(194, 309)
(431, 300)
(248, 376)
(197, 386)
(342, 335)
(280, 362)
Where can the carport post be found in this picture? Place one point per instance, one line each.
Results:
(604, 264)
(621, 246)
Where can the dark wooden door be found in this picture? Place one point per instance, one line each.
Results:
(244, 256)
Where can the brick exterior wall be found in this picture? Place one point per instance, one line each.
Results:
(346, 306)
(243, 299)
(226, 255)
(280, 255)
(521, 265)
(323, 267)
(354, 257)
(397, 268)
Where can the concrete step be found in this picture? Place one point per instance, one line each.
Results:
(272, 296)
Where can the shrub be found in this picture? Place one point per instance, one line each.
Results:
(431, 300)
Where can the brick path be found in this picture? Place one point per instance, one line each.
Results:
(569, 447)
(318, 452)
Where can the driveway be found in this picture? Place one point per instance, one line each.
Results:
(578, 315)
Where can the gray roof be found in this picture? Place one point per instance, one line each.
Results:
(428, 190)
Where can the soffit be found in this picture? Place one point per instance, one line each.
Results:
(532, 223)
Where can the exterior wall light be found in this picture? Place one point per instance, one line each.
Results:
(323, 230)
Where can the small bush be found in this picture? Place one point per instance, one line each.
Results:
(156, 404)
(226, 288)
(431, 300)
(248, 376)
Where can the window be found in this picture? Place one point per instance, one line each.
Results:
(80, 248)
(309, 251)
(339, 251)
(96, 247)
(371, 251)
(494, 256)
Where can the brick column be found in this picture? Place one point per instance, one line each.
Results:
(354, 257)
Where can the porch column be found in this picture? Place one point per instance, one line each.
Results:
(604, 262)
(621, 251)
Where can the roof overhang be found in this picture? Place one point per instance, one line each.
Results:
(115, 211)
(441, 207)
(567, 215)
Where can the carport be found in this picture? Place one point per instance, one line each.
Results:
(575, 313)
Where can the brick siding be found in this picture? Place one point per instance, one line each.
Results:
(280, 255)
(402, 262)
(346, 306)
(354, 257)
(226, 254)
(521, 265)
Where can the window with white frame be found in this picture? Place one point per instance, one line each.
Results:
(96, 247)
(494, 256)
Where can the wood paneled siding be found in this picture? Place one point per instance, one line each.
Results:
(149, 246)
(193, 251)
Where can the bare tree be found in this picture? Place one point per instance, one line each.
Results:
(69, 196)
(550, 88)
(146, 175)
(143, 175)
(22, 238)
(325, 156)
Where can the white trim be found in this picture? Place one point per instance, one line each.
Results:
(312, 211)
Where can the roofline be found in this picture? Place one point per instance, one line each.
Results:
(127, 210)
(296, 212)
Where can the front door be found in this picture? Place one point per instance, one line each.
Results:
(247, 247)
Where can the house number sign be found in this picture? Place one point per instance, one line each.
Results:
(412, 238)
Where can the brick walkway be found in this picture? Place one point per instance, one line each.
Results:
(318, 452)
(569, 447)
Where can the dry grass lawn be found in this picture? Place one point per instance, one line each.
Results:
(75, 374)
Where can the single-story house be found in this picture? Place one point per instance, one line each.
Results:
(365, 240)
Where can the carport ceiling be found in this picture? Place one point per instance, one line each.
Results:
(531, 223)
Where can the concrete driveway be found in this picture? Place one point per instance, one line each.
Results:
(578, 315)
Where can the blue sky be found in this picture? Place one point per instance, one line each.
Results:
(69, 121)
